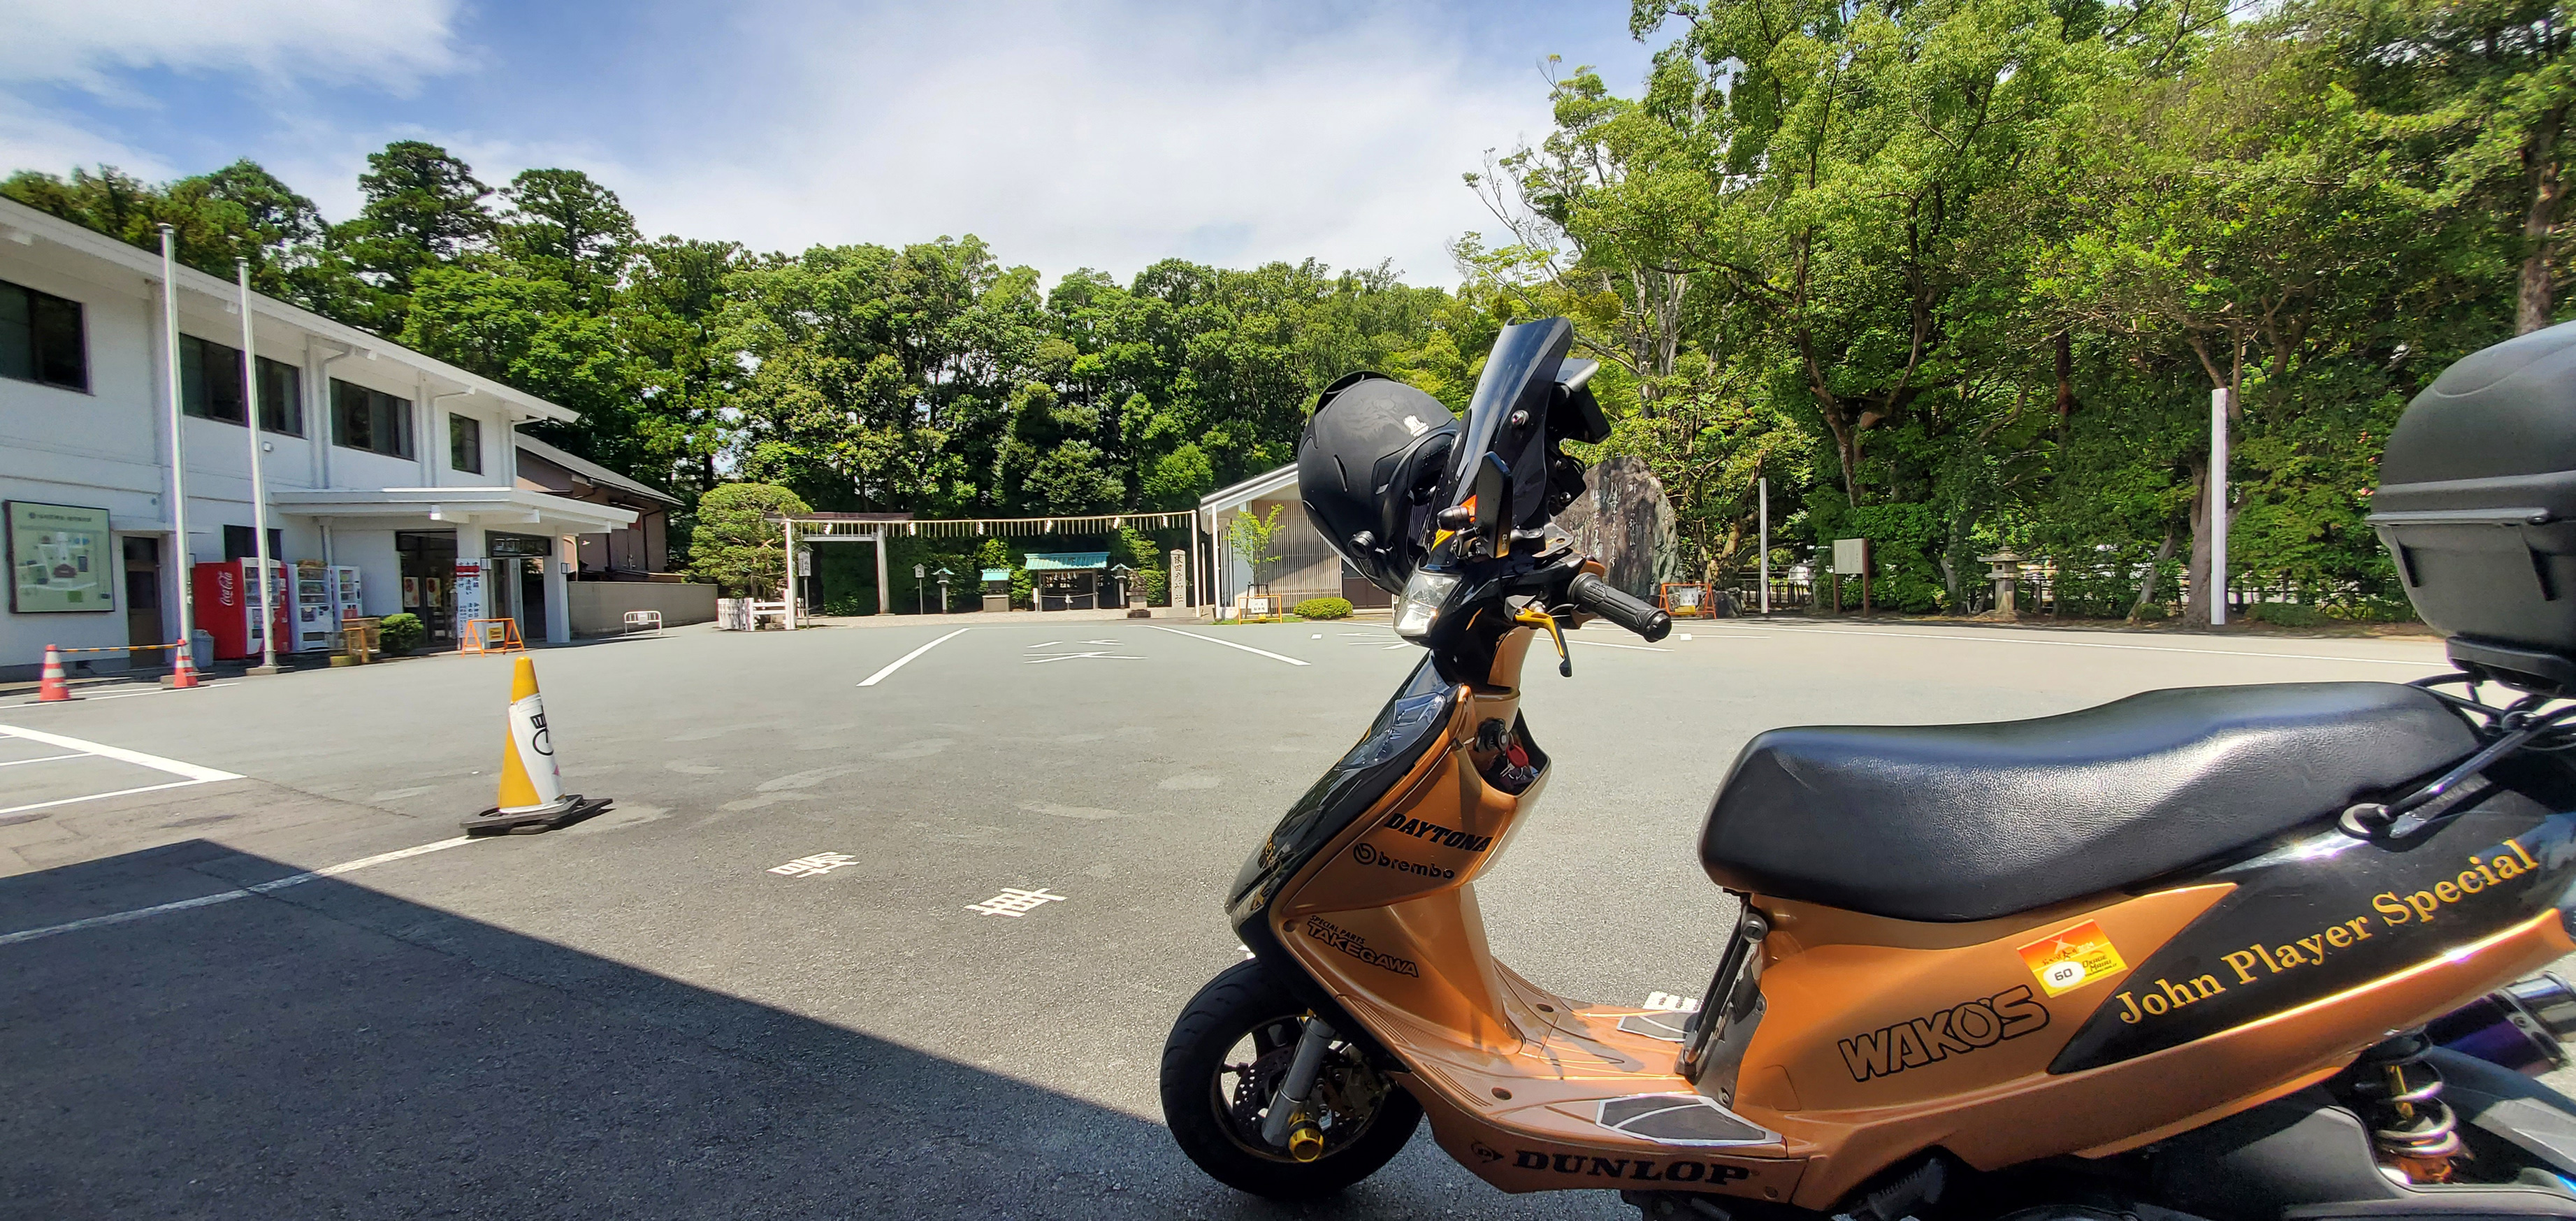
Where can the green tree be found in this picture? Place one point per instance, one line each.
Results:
(424, 208)
(563, 226)
(1255, 540)
(738, 543)
(240, 211)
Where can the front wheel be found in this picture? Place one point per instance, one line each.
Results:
(1221, 1067)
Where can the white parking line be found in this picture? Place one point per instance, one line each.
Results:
(1227, 643)
(190, 772)
(1604, 644)
(900, 662)
(120, 754)
(122, 695)
(293, 879)
(39, 759)
(2087, 644)
(64, 801)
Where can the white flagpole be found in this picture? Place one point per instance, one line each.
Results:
(2218, 508)
(258, 490)
(178, 449)
(1766, 544)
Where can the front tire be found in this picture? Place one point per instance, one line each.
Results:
(1223, 1062)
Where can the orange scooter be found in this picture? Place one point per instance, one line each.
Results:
(2233, 953)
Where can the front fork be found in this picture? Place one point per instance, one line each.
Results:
(1290, 1123)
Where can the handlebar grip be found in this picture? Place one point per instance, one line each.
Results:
(1603, 599)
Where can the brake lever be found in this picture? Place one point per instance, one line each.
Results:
(1535, 615)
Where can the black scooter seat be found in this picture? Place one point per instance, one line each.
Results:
(1968, 822)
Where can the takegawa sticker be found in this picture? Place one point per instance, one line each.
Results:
(2067, 960)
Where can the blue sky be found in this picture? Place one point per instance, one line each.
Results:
(1067, 135)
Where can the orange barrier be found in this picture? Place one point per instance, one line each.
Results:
(491, 636)
(1687, 600)
(53, 683)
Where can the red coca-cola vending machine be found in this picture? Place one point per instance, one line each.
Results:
(228, 607)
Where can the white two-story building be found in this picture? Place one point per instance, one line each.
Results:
(373, 456)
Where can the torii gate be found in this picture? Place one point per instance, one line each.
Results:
(835, 528)
(877, 528)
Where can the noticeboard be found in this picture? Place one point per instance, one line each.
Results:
(1851, 556)
(60, 559)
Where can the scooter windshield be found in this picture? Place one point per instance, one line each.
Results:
(1502, 453)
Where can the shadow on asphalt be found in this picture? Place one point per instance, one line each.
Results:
(328, 1050)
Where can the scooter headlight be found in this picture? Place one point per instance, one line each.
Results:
(1421, 602)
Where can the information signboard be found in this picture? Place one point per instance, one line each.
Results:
(465, 586)
(59, 559)
(1851, 556)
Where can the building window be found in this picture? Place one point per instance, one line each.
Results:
(242, 543)
(210, 387)
(371, 420)
(210, 380)
(281, 397)
(41, 338)
(465, 443)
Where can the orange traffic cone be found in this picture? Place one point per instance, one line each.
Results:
(51, 686)
(183, 673)
(532, 797)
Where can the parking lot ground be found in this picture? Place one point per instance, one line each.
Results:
(767, 982)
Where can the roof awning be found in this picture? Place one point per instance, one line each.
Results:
(997, 574)
(1279, 484)
(1066, 561)
(497, 507)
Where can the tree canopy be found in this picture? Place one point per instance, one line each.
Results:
(1953, 275)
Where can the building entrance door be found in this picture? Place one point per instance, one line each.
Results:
(428, 582)
(143, 596)
(532, 598)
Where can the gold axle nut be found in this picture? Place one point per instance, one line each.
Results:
(1305, 1141)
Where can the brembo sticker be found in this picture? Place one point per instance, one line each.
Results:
(1368, 854)
(1954, 1031)
(1446, 837)
(2071, 959)
(1357, 947)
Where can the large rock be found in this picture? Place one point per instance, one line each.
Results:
(1625, 521)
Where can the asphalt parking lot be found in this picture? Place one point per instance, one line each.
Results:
(760, 986)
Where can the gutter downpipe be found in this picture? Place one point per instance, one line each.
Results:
(323, 424)
(178, 451)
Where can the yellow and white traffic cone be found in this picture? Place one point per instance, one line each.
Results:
(532, 796)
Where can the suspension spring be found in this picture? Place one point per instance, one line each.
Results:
(2399, 1094)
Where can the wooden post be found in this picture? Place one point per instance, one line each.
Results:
(1868, 561)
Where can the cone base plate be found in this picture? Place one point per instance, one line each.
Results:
(574, 809)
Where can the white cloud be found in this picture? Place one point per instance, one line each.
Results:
(1071, 138)
(1067, 134)
(385, 42)
(31, 138)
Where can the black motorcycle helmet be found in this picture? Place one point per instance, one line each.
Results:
(1366, 466)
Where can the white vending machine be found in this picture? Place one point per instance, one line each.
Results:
(345, 590)
(315, 619)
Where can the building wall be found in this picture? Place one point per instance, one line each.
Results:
(108, 447)
(1307, 567)
(599, 607)
(379, 567)
(639, 548)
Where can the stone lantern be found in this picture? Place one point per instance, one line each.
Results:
(2005, 570)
